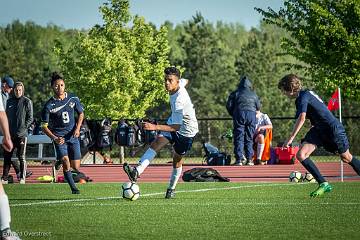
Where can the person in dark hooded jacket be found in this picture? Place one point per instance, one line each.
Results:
(242, 105)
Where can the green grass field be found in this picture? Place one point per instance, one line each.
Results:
(199, 211)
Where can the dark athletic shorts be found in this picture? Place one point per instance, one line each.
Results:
(70, 148)
(333, 139)
(181, 144)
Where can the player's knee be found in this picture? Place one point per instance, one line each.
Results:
(346, 157)
(301, 156)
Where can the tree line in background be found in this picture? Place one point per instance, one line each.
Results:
(116, 68)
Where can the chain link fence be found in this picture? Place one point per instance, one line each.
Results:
(213, 129)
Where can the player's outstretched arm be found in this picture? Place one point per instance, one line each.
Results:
(298, 125)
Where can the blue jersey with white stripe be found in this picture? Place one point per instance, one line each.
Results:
(315, 109)
(60, 114)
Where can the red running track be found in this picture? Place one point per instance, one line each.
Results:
(161, 173)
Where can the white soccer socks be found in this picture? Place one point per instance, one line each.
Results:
(4, 212)
(174, 178)
(260, 150)
(145, 160)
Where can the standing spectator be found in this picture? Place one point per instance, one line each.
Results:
(7, 84)
(242, 105)
(5, 217)
(179, 131)
(58, 122)
(19, 112)
(325, 130)
(263, 126)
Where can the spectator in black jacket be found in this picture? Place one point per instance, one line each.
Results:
(242, 105)
(19, 111)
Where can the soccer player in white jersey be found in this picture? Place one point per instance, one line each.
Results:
(5, 218)
(180, 130)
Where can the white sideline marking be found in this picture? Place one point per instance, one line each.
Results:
(227, 204)
(148, 194)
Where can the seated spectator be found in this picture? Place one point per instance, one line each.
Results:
(262, 138)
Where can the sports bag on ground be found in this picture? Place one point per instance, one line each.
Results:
(203, 175)
(213, 157)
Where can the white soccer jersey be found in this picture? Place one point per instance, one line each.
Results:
(1, 105)
(183, 112)
(262, 120)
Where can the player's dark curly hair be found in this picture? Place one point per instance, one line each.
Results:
(172, 71)
(55, 76)
(290, 83)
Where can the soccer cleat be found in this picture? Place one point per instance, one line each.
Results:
(7, 234)
(250, 163)
(75, 191)
(58, 164)
(4, 181)
(170, 193)
(28, 173)
(238, 164)
(323, 188)
(22, 181)
(131, 172)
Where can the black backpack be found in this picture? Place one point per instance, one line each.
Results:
(104, 139)
(147, 136)
(121, 133)
(77, 175)
(127, 134)
(203, 175)
(85, 135)
(213, 157)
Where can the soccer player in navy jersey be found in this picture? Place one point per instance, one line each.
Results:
(58, 122)
(326, 130)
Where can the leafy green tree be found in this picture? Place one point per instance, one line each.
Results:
(117, 68)
(325, 34)
(209, 64)
(26, 54)
(261, 59)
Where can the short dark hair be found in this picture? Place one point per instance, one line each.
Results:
(55, 76)
(172, 71)
(290, 83)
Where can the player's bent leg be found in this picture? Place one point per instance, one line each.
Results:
(68, 175)
(347, 157)
(134, 173)
(75, 165)
(303, 155)
(175, 175)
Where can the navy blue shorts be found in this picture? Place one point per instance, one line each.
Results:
(70, 148)
(181, 144)
(334, 139)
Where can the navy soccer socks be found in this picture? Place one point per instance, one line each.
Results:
(355, 163)
(311, 167)
(70, 180)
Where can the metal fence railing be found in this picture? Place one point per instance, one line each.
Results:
(212, 129)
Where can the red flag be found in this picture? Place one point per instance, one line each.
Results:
(333, 103)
